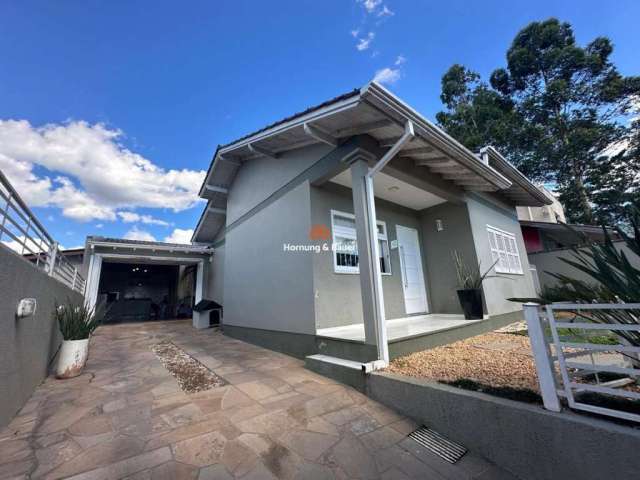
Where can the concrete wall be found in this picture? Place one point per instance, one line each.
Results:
(257, 179)
(482, 212)
(337, 295)
(266, 287)
(28, 344)
(551, 262)
(438, 250)
(525, 439)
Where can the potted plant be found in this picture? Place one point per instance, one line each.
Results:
(76, 323)
(470, 286)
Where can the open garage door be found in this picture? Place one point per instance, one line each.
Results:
(139, 292)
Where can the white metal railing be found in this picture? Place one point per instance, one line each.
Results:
(572, 367)
(27, 236)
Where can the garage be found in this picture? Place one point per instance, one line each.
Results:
(138, 292)
(140, 281)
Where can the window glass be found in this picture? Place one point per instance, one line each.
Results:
(346, 258)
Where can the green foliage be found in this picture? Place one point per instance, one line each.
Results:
(614, 278)
(77, 321)
(555, 111)
(469, 276)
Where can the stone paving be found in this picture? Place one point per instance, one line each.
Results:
(126, 417)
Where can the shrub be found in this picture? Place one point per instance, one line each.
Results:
(77, 321)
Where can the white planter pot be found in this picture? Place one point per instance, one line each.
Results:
(72, 357)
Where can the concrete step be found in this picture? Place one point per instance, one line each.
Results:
(340, 369)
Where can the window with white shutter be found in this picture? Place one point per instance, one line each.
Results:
(504, 251)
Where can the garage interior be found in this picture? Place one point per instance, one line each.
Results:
(141, 292)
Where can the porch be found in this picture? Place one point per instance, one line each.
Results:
(399, 329)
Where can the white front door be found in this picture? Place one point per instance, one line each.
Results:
(415, 295)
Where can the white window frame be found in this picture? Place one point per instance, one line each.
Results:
(504, 250)
(351, 233)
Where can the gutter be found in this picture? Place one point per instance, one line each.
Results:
(517, 176)
(382, 342)
(440, 138)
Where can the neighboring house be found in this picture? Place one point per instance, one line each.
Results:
(548, 239)
(544, 228)
(291, 213)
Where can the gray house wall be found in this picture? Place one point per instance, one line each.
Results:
(337, 295)
(438, 250)
(215, 278)
(27, 345)
(266, 287)
(260, 177)
(483, 212)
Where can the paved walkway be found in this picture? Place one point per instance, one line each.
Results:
(126, 417)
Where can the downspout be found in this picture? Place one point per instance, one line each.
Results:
(380, 326)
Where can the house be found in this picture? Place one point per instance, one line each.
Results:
(336, 221)
(545, 228)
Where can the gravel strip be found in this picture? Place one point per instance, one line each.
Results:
(496, 359)
(192, 376)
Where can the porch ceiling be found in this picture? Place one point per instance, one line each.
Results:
(395, 191)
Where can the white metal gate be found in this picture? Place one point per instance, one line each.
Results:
(561, 372)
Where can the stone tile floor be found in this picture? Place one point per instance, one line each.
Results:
(126, 417)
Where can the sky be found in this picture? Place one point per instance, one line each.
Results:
(110, 111)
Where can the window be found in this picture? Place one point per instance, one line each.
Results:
(504, 250)
(345, 258)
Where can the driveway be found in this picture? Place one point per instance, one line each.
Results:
(126, 417)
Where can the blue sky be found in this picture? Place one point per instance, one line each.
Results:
(121, 104)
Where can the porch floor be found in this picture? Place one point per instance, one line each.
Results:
(400, 328)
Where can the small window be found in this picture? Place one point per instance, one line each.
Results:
(504, 251)
(345, 258)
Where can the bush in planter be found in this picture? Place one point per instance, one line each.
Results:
(76, 323)
(470, 281)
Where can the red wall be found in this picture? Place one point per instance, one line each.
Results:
(532, 241)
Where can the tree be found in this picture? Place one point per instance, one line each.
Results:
(554, 111)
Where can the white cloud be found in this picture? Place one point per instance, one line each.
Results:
(99, 225)
(387, 75)
(385, 12)
(364, 42)
(401, 59)
(355, 33)
(371, 5)
(132, 217)
(85, 170)
(137, 234)
(180, 235)
(33, 245)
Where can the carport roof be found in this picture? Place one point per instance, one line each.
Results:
(147, 245)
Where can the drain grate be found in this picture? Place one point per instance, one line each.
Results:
(436, 443)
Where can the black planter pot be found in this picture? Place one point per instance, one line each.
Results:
(471, 303)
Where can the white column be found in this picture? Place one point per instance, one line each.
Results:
(93, 281)
(368, 253)
(542, 357)
(200, 320)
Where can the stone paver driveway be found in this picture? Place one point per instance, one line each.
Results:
(126, 417)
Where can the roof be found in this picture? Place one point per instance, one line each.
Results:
(344, 96)
(126, 243)
(371, 110)
(595, 229)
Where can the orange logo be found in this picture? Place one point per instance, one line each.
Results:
(319, 232)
